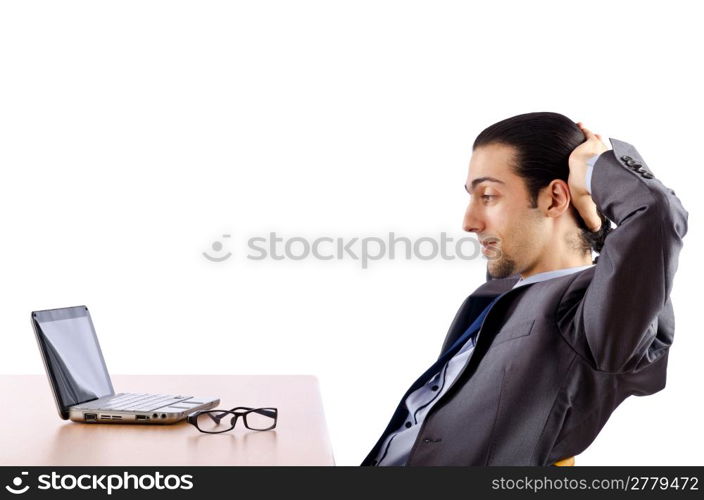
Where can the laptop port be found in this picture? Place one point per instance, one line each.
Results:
(142, 417)
(90, 417)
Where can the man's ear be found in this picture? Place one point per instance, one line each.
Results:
(555, 198)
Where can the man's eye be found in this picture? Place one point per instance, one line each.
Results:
(488, 196)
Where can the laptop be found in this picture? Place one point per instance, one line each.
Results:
(81, 383)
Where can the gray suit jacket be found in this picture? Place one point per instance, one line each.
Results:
(555, 358)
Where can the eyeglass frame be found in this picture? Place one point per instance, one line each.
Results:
(193, 417)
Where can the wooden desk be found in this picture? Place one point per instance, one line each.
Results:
(32, 433)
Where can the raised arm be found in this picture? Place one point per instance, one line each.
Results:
(617, 314)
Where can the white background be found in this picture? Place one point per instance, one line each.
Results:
(135, 134)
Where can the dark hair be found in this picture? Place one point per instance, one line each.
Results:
(543, 142)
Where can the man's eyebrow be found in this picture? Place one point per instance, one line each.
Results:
(480, 180)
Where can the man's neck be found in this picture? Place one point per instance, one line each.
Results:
(555, 264)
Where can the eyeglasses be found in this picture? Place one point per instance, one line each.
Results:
(217, 421)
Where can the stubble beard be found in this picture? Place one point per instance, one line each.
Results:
(501, 267)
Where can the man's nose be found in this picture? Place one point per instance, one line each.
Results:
(472, 223)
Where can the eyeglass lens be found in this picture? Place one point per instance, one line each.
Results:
(260, 419)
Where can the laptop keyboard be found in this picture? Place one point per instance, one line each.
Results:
(134, 402)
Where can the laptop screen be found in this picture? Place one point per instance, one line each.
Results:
(72, 356)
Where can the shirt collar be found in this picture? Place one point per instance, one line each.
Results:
(535, 278)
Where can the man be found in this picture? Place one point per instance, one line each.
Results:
(539, 356)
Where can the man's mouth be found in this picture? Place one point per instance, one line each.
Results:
(490, 247)
(487, 242)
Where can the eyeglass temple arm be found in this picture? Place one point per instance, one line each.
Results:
(262, 411)
(217, 418)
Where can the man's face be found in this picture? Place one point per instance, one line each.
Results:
(512, 234)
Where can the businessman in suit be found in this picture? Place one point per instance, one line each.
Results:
(539, 356)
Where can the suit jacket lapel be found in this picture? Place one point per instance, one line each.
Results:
(473, 306)
(469, 310)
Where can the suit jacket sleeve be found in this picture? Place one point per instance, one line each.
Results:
(615, 319)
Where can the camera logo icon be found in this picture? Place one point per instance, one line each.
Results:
(16, 488)
(217, 247)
